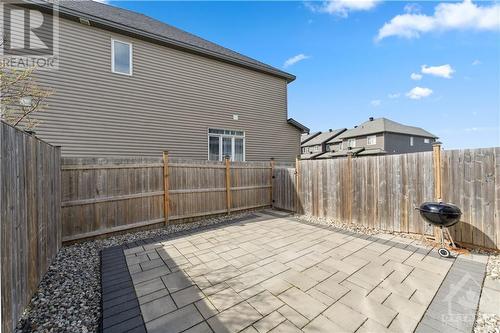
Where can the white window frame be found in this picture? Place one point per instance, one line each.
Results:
(411, 141)
(427, 140)
(220, 136)
(349, 143)
(131, 47)
(374, 137)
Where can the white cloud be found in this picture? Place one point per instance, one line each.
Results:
(419, 93)
(476, 62)
(295, 59)
(376, 102)
(394, 95)
(412, 8)
(416, 77)
(342, 7)
(447, 16)
(442, 71)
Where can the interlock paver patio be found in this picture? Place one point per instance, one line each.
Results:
(276, 274)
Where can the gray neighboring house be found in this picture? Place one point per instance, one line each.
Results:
(380, 136)
(128, 84)
(316, 145)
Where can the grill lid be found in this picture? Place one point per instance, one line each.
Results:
(440, 213)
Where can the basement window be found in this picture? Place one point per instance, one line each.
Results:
(121, 57)
(223, 143)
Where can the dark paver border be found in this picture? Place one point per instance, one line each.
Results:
(448, 312)
(119, 303)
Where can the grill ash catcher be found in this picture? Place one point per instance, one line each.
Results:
(442, 215)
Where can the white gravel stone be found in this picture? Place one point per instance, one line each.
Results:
(69, 296)
(493, 267)
(487, 323)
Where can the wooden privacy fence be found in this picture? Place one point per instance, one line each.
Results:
(382, 191)
(30, 206)
(103, 195)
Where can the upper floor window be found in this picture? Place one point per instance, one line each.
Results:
(351, 143)
(371, 140)
(121, 57)
(223, 143)
(411, 141)
(427, 140)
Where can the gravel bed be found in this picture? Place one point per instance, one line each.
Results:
(493, 267)
(69, 295)
(343, 226)
(487, 322)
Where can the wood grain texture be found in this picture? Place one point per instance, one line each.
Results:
(98, 201)
(382, 191)
(30, 204)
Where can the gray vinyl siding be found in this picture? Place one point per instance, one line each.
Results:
(361, 141)
(169, 102)
(400, 144)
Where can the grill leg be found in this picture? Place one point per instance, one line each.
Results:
(442, 237)
(451, 239)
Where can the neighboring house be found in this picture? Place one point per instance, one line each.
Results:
(379, 137)
(317, 145)
(131, 85)
(308, 136)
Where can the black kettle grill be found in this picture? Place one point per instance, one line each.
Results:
(442, 215)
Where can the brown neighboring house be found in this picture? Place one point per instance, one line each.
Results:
(128, 84)
(379, 137)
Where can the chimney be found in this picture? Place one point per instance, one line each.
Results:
(371, 118)
(356, 126)
(330, 130)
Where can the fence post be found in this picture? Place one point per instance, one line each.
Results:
(272, 182)
(166, 199)
(297, 185)
(228, 184)
(349, 179)
(436, 166)
(436, 154)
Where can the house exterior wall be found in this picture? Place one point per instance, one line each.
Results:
(361, 141)
(312, 149)
(400, 144)
(169, 102)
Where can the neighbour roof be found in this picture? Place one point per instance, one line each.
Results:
(323, 137)
(375, 151)
(308, 136)
(384, 125)
(310, 156)
(298, 125)
(129, 22)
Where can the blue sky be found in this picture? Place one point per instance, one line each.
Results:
(352, 67)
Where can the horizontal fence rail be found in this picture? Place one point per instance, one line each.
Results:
(30, 203)
(383, 191)
(103, 195)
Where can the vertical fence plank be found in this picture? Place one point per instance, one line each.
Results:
(166, 200)
(30, 214)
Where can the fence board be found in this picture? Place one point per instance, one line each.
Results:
(102, 195)
(470, 179)
(30, 203)
(383, 191)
